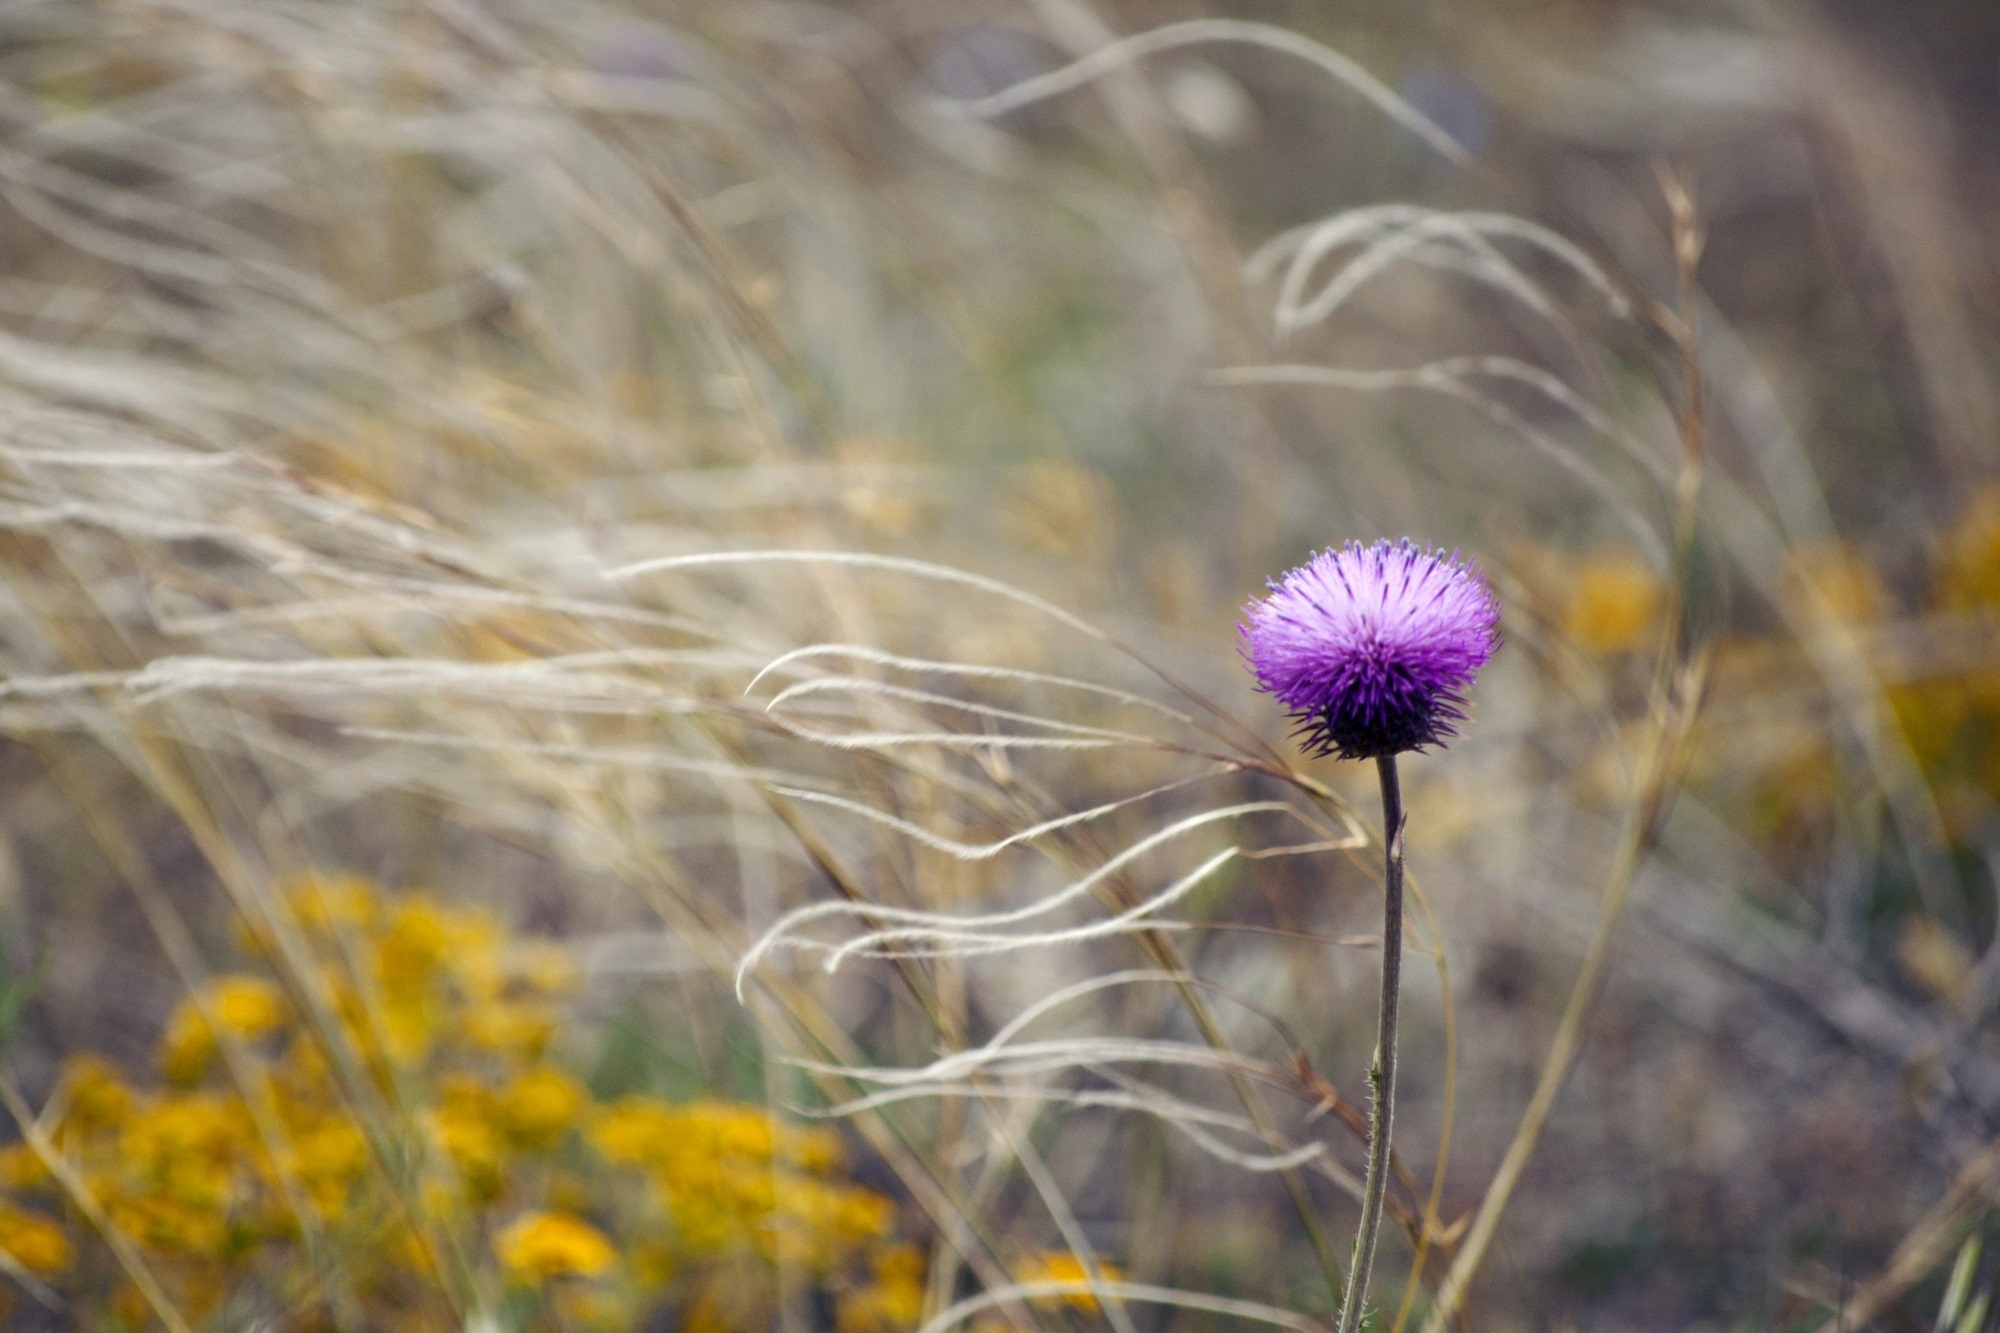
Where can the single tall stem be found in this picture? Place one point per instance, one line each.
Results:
(1382, 1073)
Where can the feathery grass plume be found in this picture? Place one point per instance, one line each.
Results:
(1373, 649)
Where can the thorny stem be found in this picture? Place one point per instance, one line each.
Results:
(1382, 1073)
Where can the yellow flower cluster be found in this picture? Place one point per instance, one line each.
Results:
(1951, 718)
(381, 1141)
(1933, 642)
(1064, 1266)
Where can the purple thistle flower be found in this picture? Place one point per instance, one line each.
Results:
(1373, 647)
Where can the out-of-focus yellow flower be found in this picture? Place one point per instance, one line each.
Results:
(187, 1046)
(95, 1094)
(408, 1021)
(537, 1247)
(327, 904)
(22, 1168)
(653, 1263)
(1063, 1266)
(634, 1131)
(410, 952)
(816, 1150)
(329, 1160)
(540, 1106)
(895, 1299)
(1613, 602)
(465, 1125)
(36, 1243)
(429, 995)
(246, 1007)
(1933, 715)
(862, 1214)
(512, 1028)
(1968, 571)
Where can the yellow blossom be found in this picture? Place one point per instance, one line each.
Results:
(437, 992)
(22, 1168)
(410, 951)
(248, 1007)
(1612, 602)
(464, 1127)
(186, 1046)
(862, 1214)
(333, 903)
(540, 1106)
(895, 1299)
(328, 1160)
(537, 1247)
(634, 1131)
(510, 1028)
(34, 1242)
(96, 1095)
(1968, 573)
(816, 1150)
(1063, 1266)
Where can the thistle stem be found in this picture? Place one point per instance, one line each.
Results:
(1382, 1072)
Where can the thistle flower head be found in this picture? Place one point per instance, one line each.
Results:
(1372, 647)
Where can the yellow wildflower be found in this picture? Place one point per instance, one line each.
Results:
(653, 1263)
(510, 1028)
(408, 1020)
(1969, 566)
(464, 1127)
(538, 1247)
(895, 1299)
(34, 1242)
(333, 903)
(1933, 716)
(189, 1179)
(862, 1214)
(328, 1160)
(1063, 1266)
(1612, 603)
(409, 952)
(96, 1093)
(816, 1150)
(186, 1046)
(634, 1131)
(248, 1007)
(540, 1106)
(22, 1168)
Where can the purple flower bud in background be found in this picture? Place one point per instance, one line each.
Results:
(1373, 647)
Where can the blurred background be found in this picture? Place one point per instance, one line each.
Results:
(411, 728)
